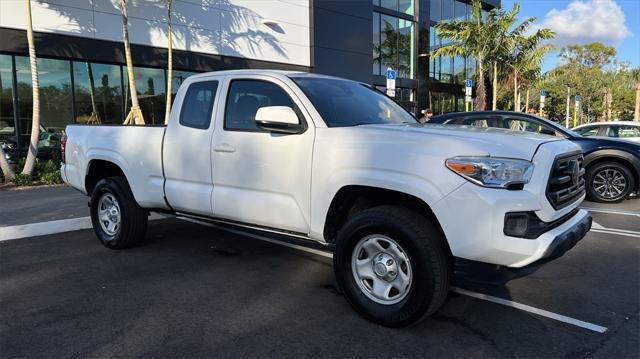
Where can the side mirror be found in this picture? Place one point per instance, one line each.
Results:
(546, 131)
(278, 119)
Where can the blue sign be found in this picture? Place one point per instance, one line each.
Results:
(468, 83)
(391, 74)
(543, 93)
(578, 98)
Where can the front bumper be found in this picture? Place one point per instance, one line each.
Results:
(478, 272)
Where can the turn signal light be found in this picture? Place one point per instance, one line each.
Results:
(462, 168)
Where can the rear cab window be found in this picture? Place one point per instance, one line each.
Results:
(198, 104)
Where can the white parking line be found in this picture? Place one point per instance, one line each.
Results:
(505, 302)
(44, 228)
(530, 309)
(598, 228)
(612, 211)
(51, 227)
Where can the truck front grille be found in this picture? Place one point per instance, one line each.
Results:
(566, 182)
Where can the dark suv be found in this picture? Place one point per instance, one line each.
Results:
(613, 166)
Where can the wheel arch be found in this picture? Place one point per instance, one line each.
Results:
(351, 199)
(623, 158)
(98, 169)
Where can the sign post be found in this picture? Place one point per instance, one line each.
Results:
(467, 95)
(543, 96)
(391, 82)
(575, 110)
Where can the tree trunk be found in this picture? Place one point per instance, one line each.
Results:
(481, 96)
(494, 100)
(135, 114)
(516, 98)
(568, 114)
(526, 101)
(167, 112)
(35, 122)
(94, 118)
(636, 113)
(4, 166)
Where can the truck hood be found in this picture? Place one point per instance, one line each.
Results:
(468, 140)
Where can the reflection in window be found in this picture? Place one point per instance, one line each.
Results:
(447, 9)
(405, 6)
(459, 70)
(150, 86)
(395, 48)
(442, 102)
(98, 93)
(246, 97)
(7, 125)
(376, 43)
(435, 10)
(55, 98)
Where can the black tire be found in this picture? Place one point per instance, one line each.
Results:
(133, 223)
(594, 174)
(428, 254)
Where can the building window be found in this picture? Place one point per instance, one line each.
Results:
(55, 98)
(376, 43)
(98, 93)
(395, 46)
(150, 86)
(7, 125)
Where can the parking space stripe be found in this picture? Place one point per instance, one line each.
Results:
(534, 310)
(612, 211)
(505, 302)
(617, 232)
(44, 228)
(51, 227)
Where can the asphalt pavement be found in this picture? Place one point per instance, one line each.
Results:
(197, 291)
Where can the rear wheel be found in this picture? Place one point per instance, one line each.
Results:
(392, 265)
(609, 182)
(118, 220)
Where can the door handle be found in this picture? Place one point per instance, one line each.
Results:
(225, 147)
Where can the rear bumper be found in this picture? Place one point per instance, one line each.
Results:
(479, 272)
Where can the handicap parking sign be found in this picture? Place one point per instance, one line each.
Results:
(391, 74)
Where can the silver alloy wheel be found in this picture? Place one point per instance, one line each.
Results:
(382, 269)
(609, 183)
(109, 214)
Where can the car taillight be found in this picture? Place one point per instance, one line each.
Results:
(63, 145)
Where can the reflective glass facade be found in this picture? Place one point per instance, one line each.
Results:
(75, 92)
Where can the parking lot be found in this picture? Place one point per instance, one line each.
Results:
(198, 290)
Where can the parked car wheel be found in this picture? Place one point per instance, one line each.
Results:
(392, 265)
(116, 217)
(609, 182)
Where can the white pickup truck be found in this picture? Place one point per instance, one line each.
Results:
(406, 207)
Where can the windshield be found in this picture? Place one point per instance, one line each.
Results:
(347, 103)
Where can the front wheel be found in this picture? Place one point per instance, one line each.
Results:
(392, 265)
(609, 182)
(118, 220)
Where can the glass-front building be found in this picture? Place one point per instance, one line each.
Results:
(403, 35)
(76, 92)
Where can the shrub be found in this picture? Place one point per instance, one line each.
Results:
(49, 172)
(22, 180)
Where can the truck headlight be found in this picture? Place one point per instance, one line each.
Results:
(492, 172)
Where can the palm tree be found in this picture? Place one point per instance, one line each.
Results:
(475, 37)
(135, 114)
(501, 21)
(526, 53)
(35, 122)
(167, 112)
(636, 113)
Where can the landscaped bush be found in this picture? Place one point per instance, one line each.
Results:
(50, 172)
(22, 180)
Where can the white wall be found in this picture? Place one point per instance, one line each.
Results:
(226, 27)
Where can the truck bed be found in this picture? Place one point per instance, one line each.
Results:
(137, 150)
